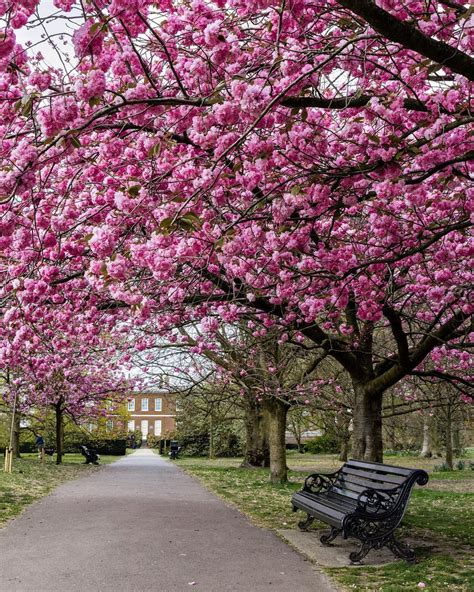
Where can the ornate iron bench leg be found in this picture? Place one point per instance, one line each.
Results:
(305, 524)
(397, 547)
(330, 536)
(357, 556)
(401, 549)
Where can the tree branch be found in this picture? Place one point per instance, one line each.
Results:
(412, 38)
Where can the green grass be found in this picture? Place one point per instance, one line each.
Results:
(442, 519)
(250, 491)
(449, 514)
(31, 480)
(439, 574)
(466, 475)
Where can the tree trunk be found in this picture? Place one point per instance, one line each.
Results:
(59, 434)
(426, 450)
(457, 444)
(257, 453)
(367, 434)
(276, 411)
(449, 440)
(344, 436)
(16, 436)
(344, 454)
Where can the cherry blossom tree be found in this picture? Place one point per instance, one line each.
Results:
(306, 163)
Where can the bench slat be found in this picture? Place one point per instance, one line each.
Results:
(384, 469)
(374, 477)
(318, 508)
(357, 483)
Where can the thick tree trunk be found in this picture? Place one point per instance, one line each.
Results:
(59, 434)
(426, 450)
(344, 454)
(276, 411)
(449, 439)
(16, 436)
(257, 453)
(367, 434)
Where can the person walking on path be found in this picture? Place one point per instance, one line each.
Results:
(142, 525)
(39, 441)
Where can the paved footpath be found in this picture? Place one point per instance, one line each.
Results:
(139, 525)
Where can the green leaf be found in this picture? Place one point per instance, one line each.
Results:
(155, 150)
(75, 142)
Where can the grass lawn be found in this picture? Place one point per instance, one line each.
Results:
(444, 517)
(31, 480)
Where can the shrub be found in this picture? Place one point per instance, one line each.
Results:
(153, 441)
(112, 446)
(460, 465)
(442, 468)
(322, 444)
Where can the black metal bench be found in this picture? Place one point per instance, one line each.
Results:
(362, 500)
(90, 455)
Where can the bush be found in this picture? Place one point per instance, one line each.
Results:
(322, 444)
(153, 441)
(112, 446)
(441, 468)
(28, 447)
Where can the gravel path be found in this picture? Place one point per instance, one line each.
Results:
(139, 525)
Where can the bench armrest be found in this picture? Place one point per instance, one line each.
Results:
(377, 501)
(320, 482)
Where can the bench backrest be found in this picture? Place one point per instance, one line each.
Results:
(357, 476)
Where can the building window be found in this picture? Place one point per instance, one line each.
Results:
(157, 427)
(109, 425)
(131, 425)
(144, 404)
(157, 404)
(144, 430)
(131, 405)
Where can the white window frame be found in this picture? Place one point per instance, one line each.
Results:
(144, 404)
(144, 427)
(131, 425)
(158, 404)
(131, 405)
(158, 427)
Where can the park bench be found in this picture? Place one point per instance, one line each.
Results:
(362, 500)
(90, 455)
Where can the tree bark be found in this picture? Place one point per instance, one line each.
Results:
(367, 434)
(426, 450)
(457, 444)
(257, 453)
(16, 436)
(344, 454)
(59, 434)
(449, 439)
(276, 411)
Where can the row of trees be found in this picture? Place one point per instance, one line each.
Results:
(272, 386)
(301, 168)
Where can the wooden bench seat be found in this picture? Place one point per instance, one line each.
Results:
(362, 500)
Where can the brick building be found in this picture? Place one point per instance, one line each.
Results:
(152, 413)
